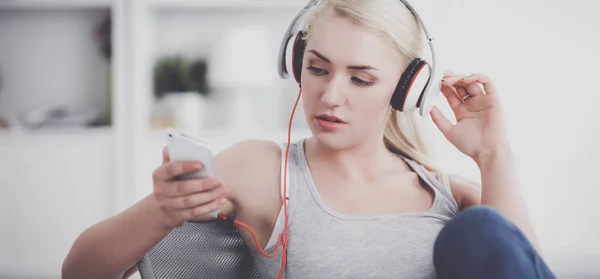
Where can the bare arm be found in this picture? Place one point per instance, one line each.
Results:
(252, 171)
(112, 248)
(499, 188)
(109, 248)
(466, 192)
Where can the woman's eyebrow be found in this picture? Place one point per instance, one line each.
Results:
(352, 67)
(319, 55)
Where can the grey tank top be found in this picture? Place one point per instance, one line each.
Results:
(326, 244)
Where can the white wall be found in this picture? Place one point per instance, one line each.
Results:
(543, 56)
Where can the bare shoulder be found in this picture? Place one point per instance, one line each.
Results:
(466, 192)
(250, 171)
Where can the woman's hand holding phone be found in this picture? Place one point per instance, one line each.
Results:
(185, 200)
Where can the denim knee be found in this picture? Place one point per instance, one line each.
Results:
(477, 217)
(477, 241)
(477, 225)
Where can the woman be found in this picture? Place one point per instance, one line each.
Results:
(364, 200)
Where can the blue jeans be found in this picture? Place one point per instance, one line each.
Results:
(481, 243)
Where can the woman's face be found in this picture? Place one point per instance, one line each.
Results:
(349, 74)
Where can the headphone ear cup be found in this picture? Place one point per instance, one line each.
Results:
(298, 55)
(409, 91)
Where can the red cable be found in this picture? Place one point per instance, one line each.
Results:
(280, 238)
(242, 224)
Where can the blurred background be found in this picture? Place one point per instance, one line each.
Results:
(88, 87)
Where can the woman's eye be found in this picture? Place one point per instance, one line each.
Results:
(320, 72)
(316, 71)
(361, 82)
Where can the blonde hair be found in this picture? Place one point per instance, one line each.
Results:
(394, 21)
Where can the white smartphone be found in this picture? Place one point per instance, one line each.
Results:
(182, 147)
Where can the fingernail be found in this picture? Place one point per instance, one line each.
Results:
(197, 165)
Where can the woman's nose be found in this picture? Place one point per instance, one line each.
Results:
(334, 94)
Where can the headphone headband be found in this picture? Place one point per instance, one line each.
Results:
(289, 33)
(292, 29)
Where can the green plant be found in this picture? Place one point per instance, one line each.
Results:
(197, 76)
(174, 74)
(170, 75)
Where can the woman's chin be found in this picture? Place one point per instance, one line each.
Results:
(334, 140)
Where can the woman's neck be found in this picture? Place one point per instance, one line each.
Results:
(364, 161)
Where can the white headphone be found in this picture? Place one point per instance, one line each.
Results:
(417, 88)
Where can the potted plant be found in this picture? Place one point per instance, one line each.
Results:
(180, 89)
(197, 76)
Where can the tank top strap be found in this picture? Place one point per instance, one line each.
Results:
(442, 177)
(439, 182)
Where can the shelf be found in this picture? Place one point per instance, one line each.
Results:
(46, 4)
(62, 132)
(43, 76)
(228, 4)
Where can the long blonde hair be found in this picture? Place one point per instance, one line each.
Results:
(394, 21)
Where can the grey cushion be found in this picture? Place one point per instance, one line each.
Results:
(212, 249)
